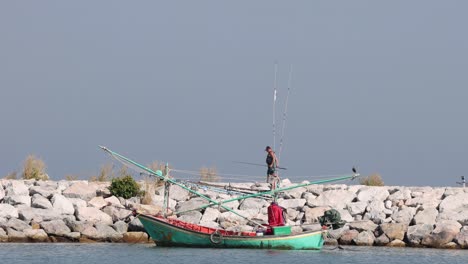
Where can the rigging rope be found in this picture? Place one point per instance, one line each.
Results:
(285, 112)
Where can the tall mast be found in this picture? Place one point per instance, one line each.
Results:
(274, 106)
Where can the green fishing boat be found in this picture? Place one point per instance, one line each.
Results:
(166, 230)
(169, 232)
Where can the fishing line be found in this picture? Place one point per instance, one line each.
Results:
(285, 111)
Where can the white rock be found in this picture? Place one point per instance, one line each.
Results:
(356, 208)
(404, 215)
(80, 190)
(337, 199)
(45, 191)
(292, 203)
(113, 201)
(62, 205)
(98, 202)
(210, 215)
(178, 193)
(312, 214)
(2, 192)
(39, 201)
(191, 217)
(427, 216)
(16, 187)
(18, 199)
(367, 194)
(37, 214)
(55, 227)
(8, 211)
(78, 203)
(252, 204)
(117, 213)
(93, 215)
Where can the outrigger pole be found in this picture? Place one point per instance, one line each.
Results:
(278, 190)
(167, 179)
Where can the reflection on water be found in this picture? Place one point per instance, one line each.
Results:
(138, 253)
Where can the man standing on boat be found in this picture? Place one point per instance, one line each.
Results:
(272, 163)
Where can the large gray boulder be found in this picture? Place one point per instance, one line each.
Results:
(462, 237)
(365, 238)
(78, 203)
(348, 236)
(3, 236)
(394, 230)
(366, 194)
(18, 199)
(17, 224)
(107, 233)
(357, 208)
(191, 217)
(77, 226)
(8, 211)
(454, 207)
(2, 193)
(80, 190)
(402, 194)
(16, 236)
(117, 213)
(38, 215)
(93, 215)
(55, 227)
(404, 215)
(428, 198)
(44, 191)
(292, 203)
(39, 201)
(312, 214)
(178, 193)
(210, 214)
(192, 204)
(365, 225)
(444, 232)
(62, 205)
(252, 203)
(135, 237)
(416, 233)
(337, 199)
(114, 201)
(427, 216)
(121, 227)
(16, 187)
(36, 235)
(376, 211)
(98, 202)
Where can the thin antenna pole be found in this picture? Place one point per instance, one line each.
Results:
(274, 105)
(285, 110)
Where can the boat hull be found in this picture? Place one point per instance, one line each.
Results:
(167, 234)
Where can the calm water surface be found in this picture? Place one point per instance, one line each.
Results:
(137, 253)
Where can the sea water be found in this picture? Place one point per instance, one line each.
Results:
(103, 253)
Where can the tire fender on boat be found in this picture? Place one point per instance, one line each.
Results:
(216, 237)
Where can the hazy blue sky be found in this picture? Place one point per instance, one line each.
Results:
(381, 85)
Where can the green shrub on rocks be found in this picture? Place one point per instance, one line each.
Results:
(124, 186)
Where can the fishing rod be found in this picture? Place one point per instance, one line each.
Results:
(256, 164)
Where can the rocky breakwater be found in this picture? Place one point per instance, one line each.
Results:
(48, 211)
(39, 211)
